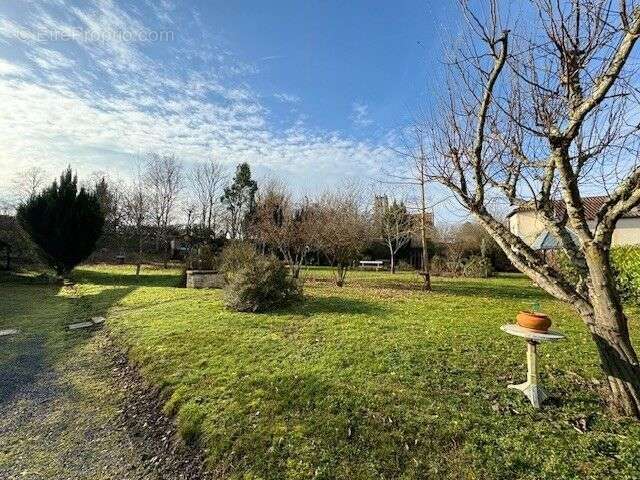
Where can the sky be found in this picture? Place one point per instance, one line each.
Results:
(311, 92)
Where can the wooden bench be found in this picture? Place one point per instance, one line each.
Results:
(377, 264)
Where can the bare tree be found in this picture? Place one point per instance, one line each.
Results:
(29, 182)
(413, 171)
(164, 179)
(137, 208)
(288, 226)
(535, 118)
(206, 181)
(395, 227)
(343, 230)
(189, 208)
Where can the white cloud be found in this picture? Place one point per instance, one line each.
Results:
(360, 115)
(287, 97)
(50, 59)
(11, 69)
(109, 103)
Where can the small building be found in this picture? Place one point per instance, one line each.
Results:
(526, 222)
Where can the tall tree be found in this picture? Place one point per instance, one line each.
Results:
(136, 213)
(165, 181)
(413, 171)
(343, 230)
(110, 197)
(395, 228)
(63, 221)
(206, 180)
(239, 197)
(538, 111)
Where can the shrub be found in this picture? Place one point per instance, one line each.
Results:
(202, 258)
(438, 266)
(255, 282)
(474, 266)
(477, 266)
(237, 255)
(626, 263)
(403, 266)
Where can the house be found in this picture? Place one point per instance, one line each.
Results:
(526, 222)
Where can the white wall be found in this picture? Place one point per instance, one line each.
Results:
(627, 232)
(527, 225)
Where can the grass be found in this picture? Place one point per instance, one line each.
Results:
(374, 380)
(64, 426)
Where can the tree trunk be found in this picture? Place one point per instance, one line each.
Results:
(423, 234)
(393, 263)
(139, 259)
(294, 265)
(620, 365)
(610, 331)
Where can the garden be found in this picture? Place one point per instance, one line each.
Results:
(375, 379)
(191, 320)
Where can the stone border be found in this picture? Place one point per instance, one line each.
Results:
(90, 323)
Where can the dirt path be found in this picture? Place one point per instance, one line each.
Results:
(85, 417)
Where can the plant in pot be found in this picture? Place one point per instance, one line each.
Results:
(534, 319)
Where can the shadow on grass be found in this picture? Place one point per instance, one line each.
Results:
(41, 315)
(489, 288)
(121, 278)
(334, 305)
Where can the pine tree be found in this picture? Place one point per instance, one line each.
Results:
(64, 222)
(240, 198)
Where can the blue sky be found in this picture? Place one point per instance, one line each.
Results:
(309, 91)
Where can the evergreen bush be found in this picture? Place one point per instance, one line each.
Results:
(64, 222)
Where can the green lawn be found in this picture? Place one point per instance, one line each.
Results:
(374, 380)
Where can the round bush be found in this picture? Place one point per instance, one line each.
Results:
(255, 282)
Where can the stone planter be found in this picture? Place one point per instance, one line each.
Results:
(204, 279)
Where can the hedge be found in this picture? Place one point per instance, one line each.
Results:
(626, 262)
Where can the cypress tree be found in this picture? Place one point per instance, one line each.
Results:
(64, 222)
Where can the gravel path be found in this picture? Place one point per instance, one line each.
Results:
(87, 416)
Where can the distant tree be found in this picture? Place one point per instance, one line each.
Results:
(413, 171)
(289, 227)
(206, 179)
(239, 197)
(136, 213)
(343, 231)
(165, 181)
(29, 182)
(64, 222)
(189, 208)
(395, 227)
(7, 206)
(110, 197)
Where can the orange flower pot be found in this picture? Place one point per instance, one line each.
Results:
(534, 321)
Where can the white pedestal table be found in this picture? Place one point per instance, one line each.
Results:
(532, 388)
